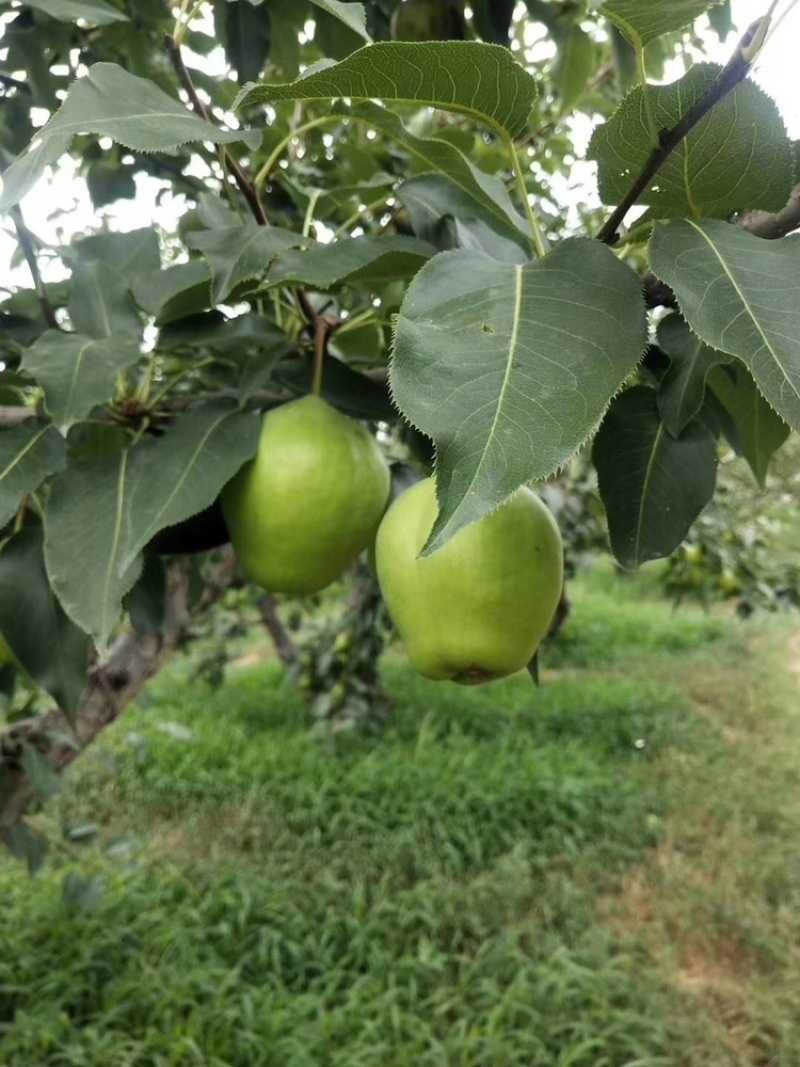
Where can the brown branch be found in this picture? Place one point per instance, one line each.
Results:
(246, 187)
(13, 416)
(25, 238)
(769, 225)
(734, 71)
(283, 643)
(133, 660)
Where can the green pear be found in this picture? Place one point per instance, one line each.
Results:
(477, 608)
(311, 499)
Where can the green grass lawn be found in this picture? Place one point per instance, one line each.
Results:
(604, 872)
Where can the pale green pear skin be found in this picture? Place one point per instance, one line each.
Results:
(310, 501)
(476, 609)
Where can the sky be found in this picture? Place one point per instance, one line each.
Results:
(776, 71)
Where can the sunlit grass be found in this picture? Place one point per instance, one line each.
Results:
(597, 872)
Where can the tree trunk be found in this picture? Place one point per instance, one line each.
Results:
(132, 661)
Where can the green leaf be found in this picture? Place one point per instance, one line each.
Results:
(243, 29)
(82, 894)
(239, 253)
(45, 782)
(133, 495)
(95, 12)
(653, 485)
(100, 304)
(478, 194)
(510, 368)
(492, 19)
(681, 390)
(482, 81)
(576, 62)
(741, 294)
(53, 651)
(77, 372)
(24, 844)
(28, 454)
(146, 603)
(643, 21)
(352, 259)
(130, 254)
(759, 431)
(352, 15)
(737, 156)
(110, 102)
(174, 293)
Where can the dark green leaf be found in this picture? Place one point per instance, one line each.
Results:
(146, 603)
(82, 894)
(741, 294)
(492, 19)
(243, 28)
(352, 259)
(510, 368)
(110, 102)
(174, 293)
(482, 81)
(130, 254)
(353, 393)
(653, 485)
(134, 494)
(24, 844)
(737, 156)
(96, 12)
(239, 253)
(53, 651)
(759, 431)
(44, 781)
(643, 21)
(577, 58)
(352, 15)
(681, 390)
(28, 454)
(475, 193)
(76, 372)
(100, 304)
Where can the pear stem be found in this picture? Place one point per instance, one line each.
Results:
(321, 331)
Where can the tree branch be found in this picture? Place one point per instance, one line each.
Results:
(734, 71)
(769, 225)
(246, 187)
(133, 660)
(283, 643)
(25, 238)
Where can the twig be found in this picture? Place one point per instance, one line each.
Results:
(734, 71)
(25, 239)
(771, 225)
(246, 187)
(283, 643)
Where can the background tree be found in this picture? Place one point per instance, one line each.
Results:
(374, 191)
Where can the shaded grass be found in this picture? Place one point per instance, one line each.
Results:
(483, 887)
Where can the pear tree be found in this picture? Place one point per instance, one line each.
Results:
(493, 236)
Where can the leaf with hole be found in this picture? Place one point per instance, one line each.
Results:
(743, 136)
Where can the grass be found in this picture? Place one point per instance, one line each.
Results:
(595, 874)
